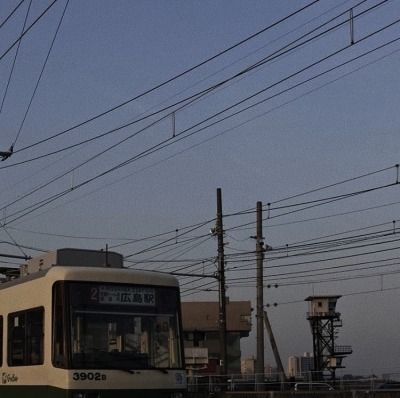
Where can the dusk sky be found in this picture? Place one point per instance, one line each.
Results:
(125, 116)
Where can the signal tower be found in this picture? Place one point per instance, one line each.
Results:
(324, 322)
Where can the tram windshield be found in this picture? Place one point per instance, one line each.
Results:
(115, 326)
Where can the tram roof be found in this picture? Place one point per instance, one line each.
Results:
(96, 274)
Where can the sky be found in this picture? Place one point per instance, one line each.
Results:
(126, 116)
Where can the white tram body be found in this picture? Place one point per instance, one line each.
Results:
(77, 324)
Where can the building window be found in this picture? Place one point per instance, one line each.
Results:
(245, 318)
(25, 337)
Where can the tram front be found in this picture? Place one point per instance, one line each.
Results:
(118, 339)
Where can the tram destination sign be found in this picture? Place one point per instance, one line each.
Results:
(124, 295)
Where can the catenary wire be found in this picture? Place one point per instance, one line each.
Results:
(240, 125)
(11, 13)
(14, 59)
(28, 29)
(41, 74)
(168, 141)
(193, 98)
(176, 76)
(234, 105)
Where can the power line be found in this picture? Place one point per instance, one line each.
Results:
(304, 263)
(174, 77)
(179, 137)
(337, 269)
(11, 13)
(242, 124)
(41, 73)
(171, 242)
(319, 203)
(28, 29)
(189, 100)
(347, 294)
(247, 69)
(317, 251)
(168, 240)
(172, 247)
(15, 59)
(193, 98)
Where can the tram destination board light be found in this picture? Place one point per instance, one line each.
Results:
(123, 295)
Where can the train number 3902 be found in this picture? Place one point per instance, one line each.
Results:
(91, 376)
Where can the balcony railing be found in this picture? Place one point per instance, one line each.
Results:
(343, 350)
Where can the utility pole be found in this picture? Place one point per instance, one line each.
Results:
(219, 230)
(274, 347)
(260, 301)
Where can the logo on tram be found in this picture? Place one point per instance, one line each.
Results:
(8, 378)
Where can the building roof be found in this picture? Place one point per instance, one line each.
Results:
(204, 316)
(311, 298)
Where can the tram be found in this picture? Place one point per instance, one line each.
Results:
(75, 323)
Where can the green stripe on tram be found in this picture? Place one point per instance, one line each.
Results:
(53, 392)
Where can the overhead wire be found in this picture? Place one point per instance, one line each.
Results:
(185, 72)
(44, 12)
(315, 239)
(167, 142)
(321, 188)
(313, 249)
(153, 123)
(323, 217)
(189, 100)
(308, 262)
(13, 240)
(171, 241)
(335, 242)
(178, 235)
(318, 204)
(11, 13)
(240, 125)
(340, 279)
(172, 247)
(14, 59)
(352, 267)
(194, 97)
(346, 295)
(40, 74)
(158, 247)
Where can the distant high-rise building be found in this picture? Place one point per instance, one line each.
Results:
(300, 367)
(306, 365)
(293, 366)
(248, 365)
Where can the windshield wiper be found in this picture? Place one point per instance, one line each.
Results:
(130, 371)
(162, 370)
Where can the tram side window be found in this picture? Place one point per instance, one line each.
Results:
(25, 337)
(1, 340)
(59, 355)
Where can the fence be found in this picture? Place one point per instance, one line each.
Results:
(209, 384)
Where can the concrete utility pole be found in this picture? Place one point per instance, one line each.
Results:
(260, 301)
(219, 230)
(274, 347)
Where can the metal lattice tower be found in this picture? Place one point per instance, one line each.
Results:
(324, 322)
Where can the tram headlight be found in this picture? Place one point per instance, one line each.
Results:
(177, 395)
(81, 394)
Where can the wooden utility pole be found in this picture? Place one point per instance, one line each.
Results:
(260, 301)
(219, 230)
